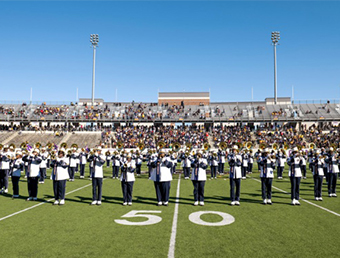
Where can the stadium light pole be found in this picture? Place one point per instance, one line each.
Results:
(94, 39)
(275, 41)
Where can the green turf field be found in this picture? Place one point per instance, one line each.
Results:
(78, 229)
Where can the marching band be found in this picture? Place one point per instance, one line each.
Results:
(161, 163)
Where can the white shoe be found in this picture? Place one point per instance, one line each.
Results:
(316, 198)
(62, 202)
(297, 202)
(269, 201)
(99, 203)
(159, 203)
(81, 177)
(195, 203)
(129, 203)
(232, 203)
(237, 203)
(243, 177)
(202, 203)
(334, 195)
(94, 203)
(330, 195)
(6, 191)
(35, 199)
(293, 202)
(15, 196)
(56, 202)
(304, 177)
(320, 198)
(29, 199)
(165, 203)
(264, 201)
(124, 203)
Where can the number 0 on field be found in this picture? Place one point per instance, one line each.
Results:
(196, 218)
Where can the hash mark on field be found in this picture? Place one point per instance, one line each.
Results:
(34, 206)
(171, 253)
(318, 206)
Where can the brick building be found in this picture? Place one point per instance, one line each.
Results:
(188, 98)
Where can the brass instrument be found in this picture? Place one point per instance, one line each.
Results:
(285, 146)
(108, 153)
(160, 145)
(23, 146)
(49, 146)
(262, 146)
(199, 155)
(239, 145)
(74, 145)
(222, 145)
(334, 146)
(63, 145)
(299, 147)
(312, 146)
(176, 146)
(249, 145)
(188, 146)
(53, 155)
(206, 146)
(37, 145)
(141, 146)
(275, 146)
(120, 145)
(12, 145)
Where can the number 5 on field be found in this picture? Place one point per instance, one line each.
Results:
(151, 219)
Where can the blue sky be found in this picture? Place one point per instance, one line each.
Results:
(144, 47)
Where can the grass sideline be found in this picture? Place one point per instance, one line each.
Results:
(78, 229)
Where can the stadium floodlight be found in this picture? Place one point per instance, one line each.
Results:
(275, 41)
(94, 39)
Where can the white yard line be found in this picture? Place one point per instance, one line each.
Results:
(171, 253)
(37, 205)
(318, 206)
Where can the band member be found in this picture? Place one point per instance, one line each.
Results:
(333, 170)
(245, 161)
(115, 165)
(303, 165)
(151, 157)
(82, 162)
(221, 161)
(213, 165)
(4, 170)
(186, 164)
(43, 165)
(161, 175)
(127, 179)
(98, 160)
(33, 174)
(235, 175)
(59, 176)
(198, 178)
(267, 175)
(73, 156)
(281, 157)
(251, 162)
(138, 162)
(108, 158)
(173, 158)
(295, 174)
(317, 162)
(18, 166)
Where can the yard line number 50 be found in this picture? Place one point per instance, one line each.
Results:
(194, 217)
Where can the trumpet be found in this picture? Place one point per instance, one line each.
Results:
(206, 146)
(176, 146)
(222, 145)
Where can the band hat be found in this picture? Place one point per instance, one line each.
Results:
(331, 149)
(318, 151)
(62, 150)
(19, 153)
(98, 148)
(266, 150)
(36, 150)
(295, 149)
(235, 147)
